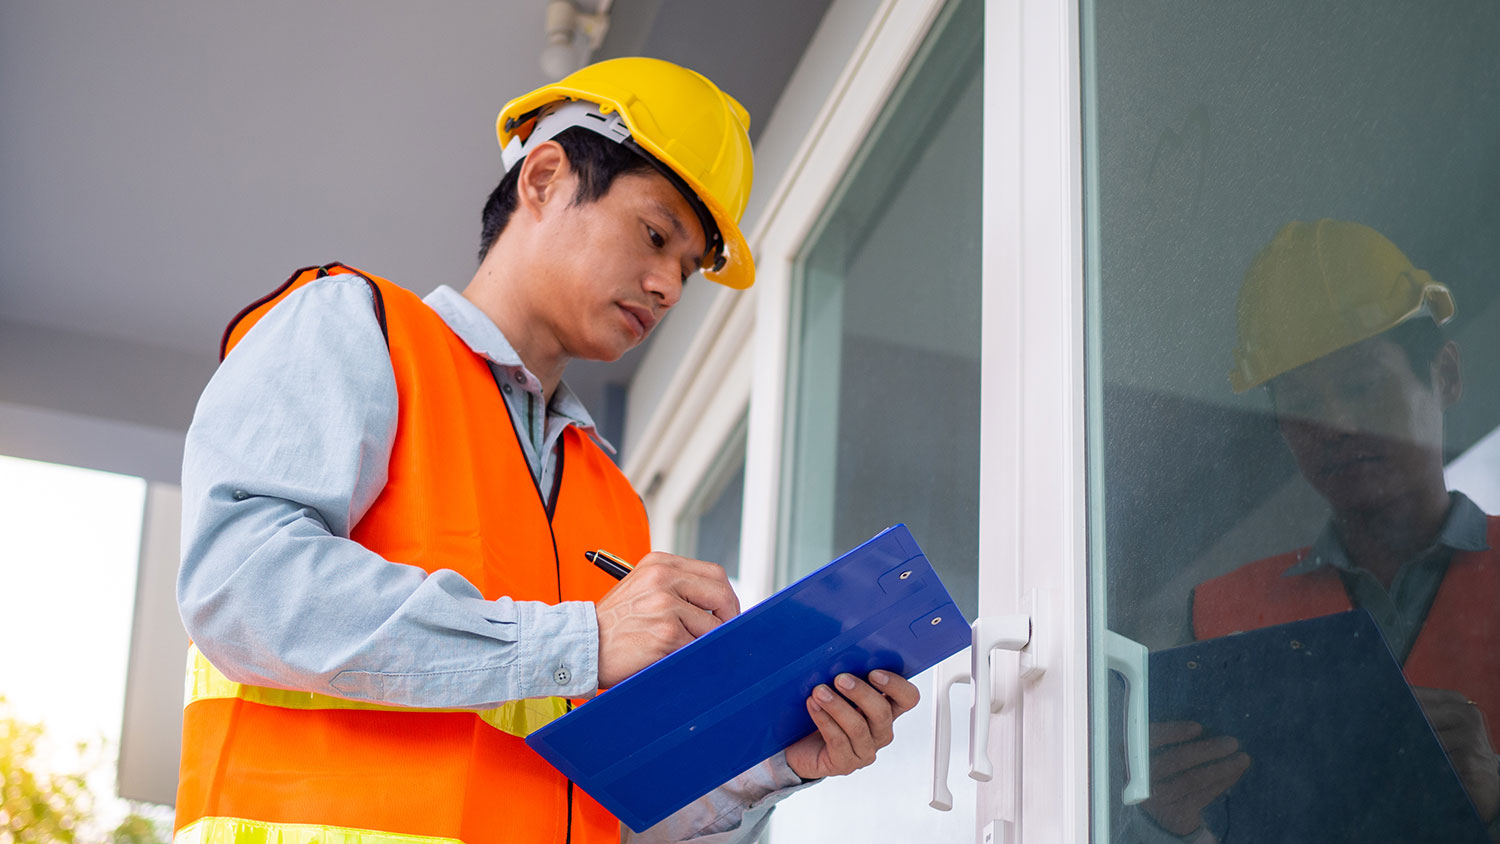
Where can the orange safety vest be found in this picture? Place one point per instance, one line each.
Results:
(262, 764)
(1458, 647)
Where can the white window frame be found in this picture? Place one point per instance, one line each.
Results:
(1033, 470)
(704, 412)
(1033, 520)
(740, 347)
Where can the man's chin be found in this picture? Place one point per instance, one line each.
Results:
(1359, 492)
(607, 352)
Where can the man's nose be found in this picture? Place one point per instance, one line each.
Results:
(665, 285)
(1337, 416)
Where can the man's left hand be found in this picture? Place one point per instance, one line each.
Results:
(854, 721)
(1460, 727)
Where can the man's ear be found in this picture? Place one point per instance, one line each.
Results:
(546, 176)
(1447, 376)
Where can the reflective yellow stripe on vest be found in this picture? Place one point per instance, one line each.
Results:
(241, 831)
(205, 682)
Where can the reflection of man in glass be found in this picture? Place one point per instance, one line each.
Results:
(1344, 333)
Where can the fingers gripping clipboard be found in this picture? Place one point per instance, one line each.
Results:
(722, 704)
(1340, 749)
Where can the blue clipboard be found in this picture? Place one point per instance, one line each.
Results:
(736, 696)
(1340, 749)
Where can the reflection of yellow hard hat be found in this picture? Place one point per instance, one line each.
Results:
(684, 121)
(1318, 287)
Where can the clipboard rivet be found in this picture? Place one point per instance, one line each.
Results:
(904, 575)
(936, 620)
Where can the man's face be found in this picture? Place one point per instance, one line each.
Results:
(617, 264)
(1363, 427)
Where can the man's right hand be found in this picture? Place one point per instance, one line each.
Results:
(665, 603)
(1189, 772)
(1460, 727)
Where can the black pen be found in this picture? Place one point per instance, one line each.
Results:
(612, 565)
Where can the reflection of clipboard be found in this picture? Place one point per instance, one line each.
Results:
(722, 704)
(1339, 747)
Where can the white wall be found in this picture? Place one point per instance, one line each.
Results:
(75, 439)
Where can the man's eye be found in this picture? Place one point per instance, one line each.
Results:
(656, 239)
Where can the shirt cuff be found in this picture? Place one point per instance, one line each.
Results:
(775, 776)
(1139, 828)
(559, 654)
(735, 813)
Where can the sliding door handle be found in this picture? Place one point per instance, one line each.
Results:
(949, 672)
(998, 632)
(1131, 660)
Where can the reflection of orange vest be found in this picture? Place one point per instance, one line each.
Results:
(267, 764)
(1458, 647)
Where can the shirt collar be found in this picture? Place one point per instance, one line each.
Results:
(1464, 529)
(483, 336)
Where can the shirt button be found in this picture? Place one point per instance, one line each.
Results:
(506, 389)
(562, 676)
(240, 495)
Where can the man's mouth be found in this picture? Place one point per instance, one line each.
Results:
(1348, 462)
(641, 318)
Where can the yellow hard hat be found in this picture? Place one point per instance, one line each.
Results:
(679, 117)
(1319, 287)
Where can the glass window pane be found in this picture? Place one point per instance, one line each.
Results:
(885, 424)
(710, 525)
(1283, 201)
(884, 403)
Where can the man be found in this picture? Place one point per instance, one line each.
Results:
(1344, 333)
(387, 501)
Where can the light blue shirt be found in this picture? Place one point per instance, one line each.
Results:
(1401, 611)
(288, 448)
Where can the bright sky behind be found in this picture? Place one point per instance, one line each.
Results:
(69, 550)
(1477, 472)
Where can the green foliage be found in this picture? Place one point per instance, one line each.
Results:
(37, 807)
(136, 829)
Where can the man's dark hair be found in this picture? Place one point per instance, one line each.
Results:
(1421, 339)
(597, 160)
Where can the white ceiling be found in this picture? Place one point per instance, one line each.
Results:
(164, 162)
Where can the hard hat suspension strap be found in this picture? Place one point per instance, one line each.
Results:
(586, 115)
